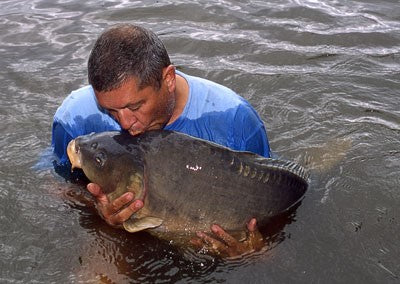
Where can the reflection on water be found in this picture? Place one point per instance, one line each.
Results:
(320, 73)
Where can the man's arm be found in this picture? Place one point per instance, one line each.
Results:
(60, 140)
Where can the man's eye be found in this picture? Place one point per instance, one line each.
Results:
(134, 108)
(113, 113)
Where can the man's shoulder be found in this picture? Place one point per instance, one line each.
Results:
(88, 89)
(80, 101)
(198, 84)
(80, 112)
(80, 96)
(211, 96)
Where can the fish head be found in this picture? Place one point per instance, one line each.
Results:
(106, 161)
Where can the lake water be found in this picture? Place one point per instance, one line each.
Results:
(325, 78)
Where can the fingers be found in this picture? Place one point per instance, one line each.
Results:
(211, 243)
(220, 233)
(252, 225)
(221, 243)
(117, 217)
(117, 211)
(113, 207)
(255, 240)
(224, 244)
(96, 191)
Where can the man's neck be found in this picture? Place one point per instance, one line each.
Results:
(181, 97)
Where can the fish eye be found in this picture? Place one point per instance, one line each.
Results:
(100, 158)
(94, 145)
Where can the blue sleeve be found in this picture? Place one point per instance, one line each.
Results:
(249, 133)
(258, 143)
(60, 140)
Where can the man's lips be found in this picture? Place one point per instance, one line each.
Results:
(135, 130)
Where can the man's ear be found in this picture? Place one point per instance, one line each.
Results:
(169, 77)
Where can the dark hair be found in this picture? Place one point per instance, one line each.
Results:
(123, 52)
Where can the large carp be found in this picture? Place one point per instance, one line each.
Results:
(187, 183)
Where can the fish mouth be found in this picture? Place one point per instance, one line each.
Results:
(74, 155)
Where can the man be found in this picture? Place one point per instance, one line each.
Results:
(134, 86)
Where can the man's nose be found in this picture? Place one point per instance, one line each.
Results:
(126, 118)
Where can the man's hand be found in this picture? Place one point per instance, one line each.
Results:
(224, 244)
(118, 211)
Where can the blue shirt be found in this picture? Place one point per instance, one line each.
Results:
(212, 112)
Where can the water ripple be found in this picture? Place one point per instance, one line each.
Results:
(322, 74)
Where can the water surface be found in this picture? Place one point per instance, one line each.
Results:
(325, 78)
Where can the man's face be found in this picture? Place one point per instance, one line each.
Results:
(139, 110)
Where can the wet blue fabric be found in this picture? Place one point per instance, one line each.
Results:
(213, 112)
(79, 114)
(216, 113)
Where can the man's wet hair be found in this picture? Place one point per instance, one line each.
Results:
(124, 52)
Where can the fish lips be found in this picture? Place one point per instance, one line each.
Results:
(74, 156)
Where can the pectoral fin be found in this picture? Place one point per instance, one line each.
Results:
(136, 225)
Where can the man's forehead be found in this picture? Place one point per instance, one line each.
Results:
(125, 95)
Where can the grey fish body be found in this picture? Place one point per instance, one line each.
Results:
(187, 183)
